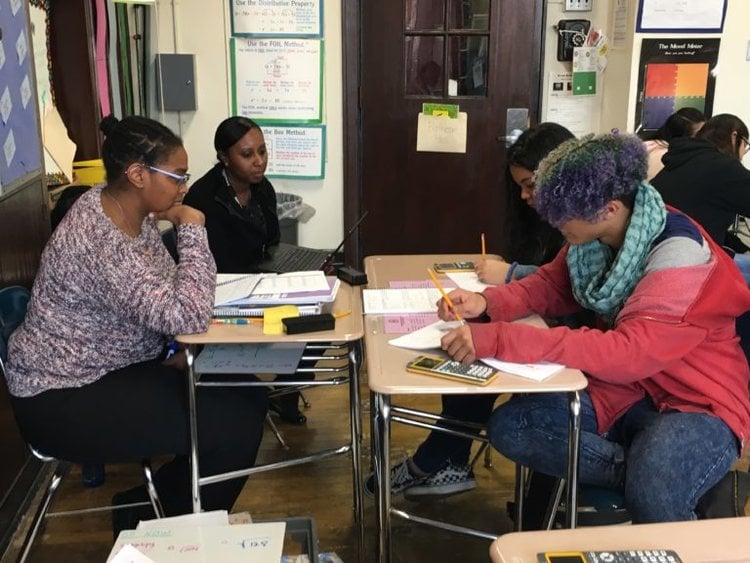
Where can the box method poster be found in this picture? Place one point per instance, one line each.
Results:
(295, 152)
(277, 18)
(277, 80)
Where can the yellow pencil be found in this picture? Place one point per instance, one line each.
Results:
(444, 294)
(484, 248)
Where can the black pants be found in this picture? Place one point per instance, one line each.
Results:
(142, 411)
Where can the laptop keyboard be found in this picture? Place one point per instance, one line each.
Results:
(297, 259)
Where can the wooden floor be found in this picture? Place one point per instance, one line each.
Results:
(321, 490)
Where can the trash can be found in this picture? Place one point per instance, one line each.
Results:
(291, 210)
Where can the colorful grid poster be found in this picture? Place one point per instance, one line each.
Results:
(670, 87)
(674, 73)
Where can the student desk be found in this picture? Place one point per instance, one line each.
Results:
(699, 541)
(387, 376)
(348, 332)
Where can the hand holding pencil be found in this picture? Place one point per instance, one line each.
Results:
(459, 303)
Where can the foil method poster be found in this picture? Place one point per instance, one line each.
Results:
(277, 18)
(277, 80)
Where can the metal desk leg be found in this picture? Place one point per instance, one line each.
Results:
(193, 420)
(519, 494)
(381, 459)
(355, 425)
(574, 440)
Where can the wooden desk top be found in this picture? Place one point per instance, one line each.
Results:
(386, 364)
(348, 328)
(725, 540)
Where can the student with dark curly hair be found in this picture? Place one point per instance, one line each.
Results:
(666, 410)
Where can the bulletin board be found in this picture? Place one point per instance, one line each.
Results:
(674, 73)
(20, 138)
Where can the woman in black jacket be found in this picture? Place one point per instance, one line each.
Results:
(237, 199)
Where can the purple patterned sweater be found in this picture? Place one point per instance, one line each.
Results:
(102, 300)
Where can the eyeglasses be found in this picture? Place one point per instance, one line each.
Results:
(747, 144)
(180, 179)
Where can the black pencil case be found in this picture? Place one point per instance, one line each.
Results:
(309, 323)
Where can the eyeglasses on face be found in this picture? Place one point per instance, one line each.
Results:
(180, 179)
(747, 144)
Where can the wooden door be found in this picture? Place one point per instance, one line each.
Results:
(485, 56)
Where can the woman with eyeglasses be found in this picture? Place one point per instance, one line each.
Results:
(88, 369)
(704, 177)
(237, 199)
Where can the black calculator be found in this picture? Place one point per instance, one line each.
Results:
(475, 373)
(612, 556)
(444, 267)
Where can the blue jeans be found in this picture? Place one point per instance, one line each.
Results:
(743, 263)
(662, 462)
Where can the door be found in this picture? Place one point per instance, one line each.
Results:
(485, 56)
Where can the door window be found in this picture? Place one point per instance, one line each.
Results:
(446, 46)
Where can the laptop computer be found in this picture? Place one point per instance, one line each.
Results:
(285, 257)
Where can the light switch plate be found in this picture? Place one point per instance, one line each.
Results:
(578, 5)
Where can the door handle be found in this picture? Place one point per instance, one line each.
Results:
(516, 121)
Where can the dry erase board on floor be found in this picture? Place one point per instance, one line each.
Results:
(20, 139)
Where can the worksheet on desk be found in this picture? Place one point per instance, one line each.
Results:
(395, 301)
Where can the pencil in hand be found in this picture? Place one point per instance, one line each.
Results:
(444, 294)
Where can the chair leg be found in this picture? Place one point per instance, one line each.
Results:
(36, 523)
(276, 432)
(304, 400)
(554, 504)
(153, 496)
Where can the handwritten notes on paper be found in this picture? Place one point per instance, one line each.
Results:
(441, 134)
(260, 543)
(277, 357)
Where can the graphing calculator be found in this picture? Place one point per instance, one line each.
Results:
(476, 373)
(613, 556)
(444, 267)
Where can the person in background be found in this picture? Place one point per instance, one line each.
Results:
(237, 199)
(87, 371)
(685, 122)
(440, 465)
(704, 178)
(666, 410)
(241, 216)
(66, 200)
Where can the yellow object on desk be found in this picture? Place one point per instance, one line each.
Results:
(273, 315)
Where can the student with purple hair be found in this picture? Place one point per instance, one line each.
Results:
(666, 410)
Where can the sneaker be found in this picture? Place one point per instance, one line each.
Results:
(450, 480)
(401, 479)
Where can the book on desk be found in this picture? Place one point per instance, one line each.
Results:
(248, 295)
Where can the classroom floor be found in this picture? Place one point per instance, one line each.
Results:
(321, 490)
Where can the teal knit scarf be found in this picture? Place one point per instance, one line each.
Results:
(602, 282)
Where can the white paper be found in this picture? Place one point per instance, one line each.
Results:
(399, 301)
(292, 282)
(468, 281)
(129, 554)
(6, 105)
(21, 48)
(232, 287)
(577, 113)
(681, 14)
(427, 338)
(275, 357)
(25, 91)
(9, 148)
(537, 372)
(259, 543)
(15, 5)
(280, 17)
(441, 134)
(2, 55)
(295, 151)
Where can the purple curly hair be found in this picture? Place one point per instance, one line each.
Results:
(578, 178)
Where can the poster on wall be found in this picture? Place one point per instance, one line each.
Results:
(674, 73)
(296, 151)
(277, 80)
(681, 16)
(277, 18)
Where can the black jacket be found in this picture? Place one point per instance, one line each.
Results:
(237, 236)
(706, 184)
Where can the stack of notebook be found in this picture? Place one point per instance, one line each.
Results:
(247, 295)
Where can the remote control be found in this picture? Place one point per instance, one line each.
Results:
(612, 556)
(475, 373)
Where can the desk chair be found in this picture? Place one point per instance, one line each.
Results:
(13, 303)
